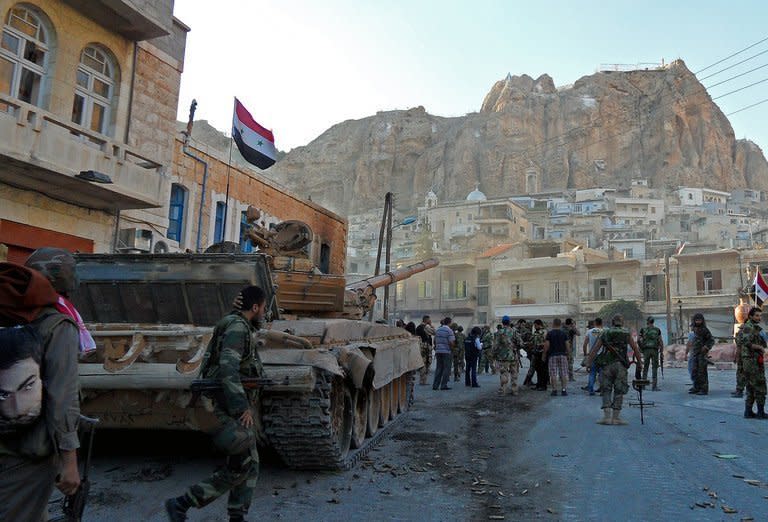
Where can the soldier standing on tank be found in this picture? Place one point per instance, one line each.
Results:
(614, 363)
(231, 355)
(651, 344)
(458, 351)
(508, 356)
(751, 347)
(701, 342)
(425, 330)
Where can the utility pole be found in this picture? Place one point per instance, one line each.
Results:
(668, 297)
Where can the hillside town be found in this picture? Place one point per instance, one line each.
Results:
(566, 254)
(196, 324)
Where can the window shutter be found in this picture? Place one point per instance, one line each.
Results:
(717, 280)
(699, 282)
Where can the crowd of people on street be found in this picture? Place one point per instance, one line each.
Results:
(608, 352)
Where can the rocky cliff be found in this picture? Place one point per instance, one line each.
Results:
(604, 130)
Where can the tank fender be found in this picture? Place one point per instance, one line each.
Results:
(358, 367)
(273, 337)
(318, 358)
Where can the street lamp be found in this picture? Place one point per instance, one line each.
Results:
(680, 320)
(409, 220)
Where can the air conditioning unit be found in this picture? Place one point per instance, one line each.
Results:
(135, 240)
(165, 246)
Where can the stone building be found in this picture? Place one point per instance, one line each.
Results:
(547, 279)
(91, 158)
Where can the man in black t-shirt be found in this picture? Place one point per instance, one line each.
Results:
(556, 350)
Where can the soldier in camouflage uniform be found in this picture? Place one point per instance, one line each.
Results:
(425, 331)
(751, 347)
(508, 356)
(701, 343)
(526, 334)
(231, 355)
(651, 343)
(458, 352)
(614, 363)
(484, 364)
(537, 361)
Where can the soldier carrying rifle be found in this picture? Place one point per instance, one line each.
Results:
(231, 358)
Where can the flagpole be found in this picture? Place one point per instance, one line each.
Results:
(229, 164)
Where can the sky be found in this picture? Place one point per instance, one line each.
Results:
(300, 67)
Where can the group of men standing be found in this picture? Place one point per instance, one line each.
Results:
(548, 350)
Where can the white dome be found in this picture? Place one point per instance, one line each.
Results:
(476, 195)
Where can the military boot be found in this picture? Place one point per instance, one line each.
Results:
(748, 413)
(617, 420)
(606, 420)
(654, 387)
(761, 411)
(176, 509)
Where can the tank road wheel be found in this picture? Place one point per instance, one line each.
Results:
(360, 421)
(374, 408)
(386, 404)
(342, 415)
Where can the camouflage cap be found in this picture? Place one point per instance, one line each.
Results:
(58, 266)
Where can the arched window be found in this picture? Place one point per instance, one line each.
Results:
(95, 89)
(24, 54)
(176, 212)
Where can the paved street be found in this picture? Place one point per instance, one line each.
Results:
(467, 454)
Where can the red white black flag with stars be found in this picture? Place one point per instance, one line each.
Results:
(255, 143)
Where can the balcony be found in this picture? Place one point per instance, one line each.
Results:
(458, 261)
(44, 153)
(536, 311)
(463, 305)
(135, 19)
(537, 263)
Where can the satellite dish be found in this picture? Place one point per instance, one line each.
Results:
(161, 247)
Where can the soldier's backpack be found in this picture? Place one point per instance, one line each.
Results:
(21, 372)
(651, 337)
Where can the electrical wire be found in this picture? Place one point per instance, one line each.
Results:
(740, 89)
(737, 76)
(734, 65)
(732, 55)
(748, 107)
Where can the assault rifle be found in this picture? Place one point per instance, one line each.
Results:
(73, 505)
(622, 358)
(249, 383)
(661, 361)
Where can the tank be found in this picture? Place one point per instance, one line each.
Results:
(334, 381)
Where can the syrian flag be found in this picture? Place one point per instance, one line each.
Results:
(761, 289)
(255, 143)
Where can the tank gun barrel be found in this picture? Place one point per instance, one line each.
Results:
(360, 295)
(393, 276)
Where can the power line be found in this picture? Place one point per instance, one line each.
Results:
(748, 107)
(740, 89)
(737, 76)
(732, 55)
(734, 65)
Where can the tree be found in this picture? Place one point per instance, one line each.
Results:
(628, 309)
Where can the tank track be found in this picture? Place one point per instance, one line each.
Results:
(299, 428)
